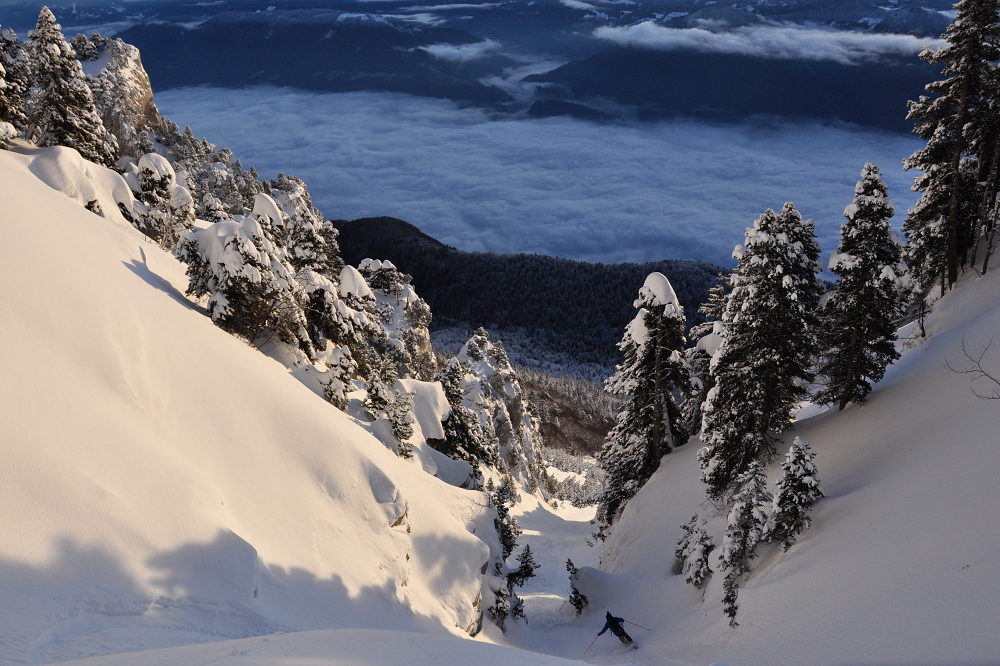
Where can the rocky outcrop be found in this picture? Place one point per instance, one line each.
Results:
(122, 90)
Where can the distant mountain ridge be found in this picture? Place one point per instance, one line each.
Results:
(558, 315)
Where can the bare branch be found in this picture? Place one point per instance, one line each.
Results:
(978, 373)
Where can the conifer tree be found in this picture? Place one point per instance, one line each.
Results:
(957, 119)
(212, 209)
(745, 530)
(692, 552)
(859, 334)
(696, 569)
(61, 109)
(464, 436)
(649, 424)
(698, 358)
(526, 566)
(400, 415)
(506, 525)
(715, 304)
(798, 490)
(340, 369)
(577, 600)
(250, 288)
(765, 359)
(13, 81)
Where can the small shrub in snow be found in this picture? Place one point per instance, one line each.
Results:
(798, 490)
(745, 530)
(692, 553)
(577, 600)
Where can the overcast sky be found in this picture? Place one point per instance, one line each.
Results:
(556, 186)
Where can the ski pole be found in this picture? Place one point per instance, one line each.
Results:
(638, 625)
(591, 644)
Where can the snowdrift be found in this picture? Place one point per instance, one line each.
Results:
(164, 483)
(902, 563)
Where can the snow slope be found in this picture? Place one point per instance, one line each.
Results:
(902, 564)
(163, 482)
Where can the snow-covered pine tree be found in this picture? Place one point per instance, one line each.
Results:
(693, 549)
(340, 369)
(311, 240)
(798, 490)
(715, 304)
(526, 566)
(12, 87)
(500, 610)
(506, 525)
(385, 398)
(577, 599)
(801, 234)
(249, 288)
(13, 81)
(958, 117)
(518, 577)
(400, 415)
(464, 436)
(705, 338)
(696, 569)
(765, 359)
(687, 529)
(649, 424)
(61, 109)
(212, 209)
(406, 318)
(164, 210)
(378, 398)
(858, 334)
(745, 530)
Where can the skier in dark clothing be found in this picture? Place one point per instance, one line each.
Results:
(615, 625)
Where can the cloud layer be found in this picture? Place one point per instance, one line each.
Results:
(555, 186)
(461, 52)
(786, 41)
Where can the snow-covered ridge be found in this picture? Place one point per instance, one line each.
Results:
(167, 483)
(900, 565)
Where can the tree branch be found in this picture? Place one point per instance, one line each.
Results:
(977, 372)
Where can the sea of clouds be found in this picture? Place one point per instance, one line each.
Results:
(769, 40)
(563, 187)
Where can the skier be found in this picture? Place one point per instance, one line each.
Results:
(615, 625)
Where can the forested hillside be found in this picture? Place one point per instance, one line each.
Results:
(567, 313)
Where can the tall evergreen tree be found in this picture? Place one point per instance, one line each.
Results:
(12, 83)
(798, 490)
(61, 108)
(747, 520)
(649, 424)
(859, 334)
(956, 120)
(765, 360)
